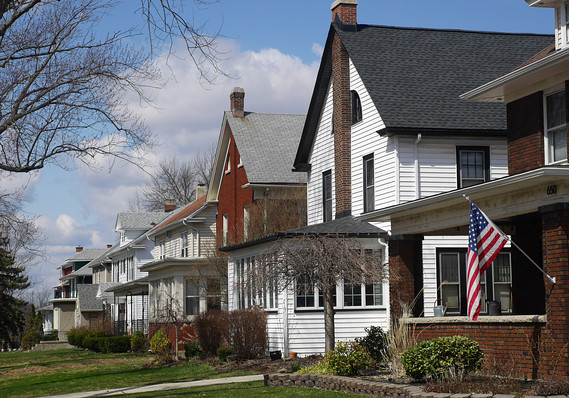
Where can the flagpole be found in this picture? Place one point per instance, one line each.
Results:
(551, 278)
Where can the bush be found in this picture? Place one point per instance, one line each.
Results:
(77, 336)
(137, 342)
(116, 344)
(193, 350)
(53, 336)
(247, 333)
(348, 359)
(160, 344)
(223, 353)
(375, 343)
(211, 327)
(441, 357)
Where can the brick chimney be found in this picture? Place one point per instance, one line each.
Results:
(237, 102)
(169, 205)
(346, 11)
(109, 245)
(78, 249)
(201, 190)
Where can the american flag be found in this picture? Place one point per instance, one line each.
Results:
(485, 240)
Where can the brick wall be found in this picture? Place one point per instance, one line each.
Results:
(525, 134)
(232, 198)
(186, 333)
(347, 11)
(405, 274)
(342, 120)
(509, 348)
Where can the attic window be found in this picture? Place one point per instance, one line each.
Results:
(228, 168)
(356, 107)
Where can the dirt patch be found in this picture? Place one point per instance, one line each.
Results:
(261, 366)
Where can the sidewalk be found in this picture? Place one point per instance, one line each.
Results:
(159, 387)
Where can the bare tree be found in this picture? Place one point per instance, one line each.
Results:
(174, 179)
(317, 261)
(65, 85)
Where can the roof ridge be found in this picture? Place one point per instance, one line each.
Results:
(451, 30)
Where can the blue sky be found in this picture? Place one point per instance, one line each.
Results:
(273, 47)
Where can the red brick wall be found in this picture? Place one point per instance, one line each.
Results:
(185, 334)
(342, 119)
(525, 134)
(507, 347)
(232, 198)
(405, 274)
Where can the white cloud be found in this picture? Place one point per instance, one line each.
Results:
(317, 49)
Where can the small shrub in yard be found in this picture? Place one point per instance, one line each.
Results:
(117, 344)
(375, 342)
(160, 344)
(348, 359)
(438, 358)
(193, 350)
(247, 333)
(211, 328)
(96, 344)
(223, 353)
(137, 342)
(53, 336)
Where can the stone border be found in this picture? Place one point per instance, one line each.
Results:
(352, 385)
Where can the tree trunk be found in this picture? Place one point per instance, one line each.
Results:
(329, 336)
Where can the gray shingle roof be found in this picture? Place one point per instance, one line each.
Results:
(415, 76)
(102, 291)
(140, 221)
(87, 255)
(267, 144)
(344, 227)
(87, 296)
(103, 258)
(83, 271)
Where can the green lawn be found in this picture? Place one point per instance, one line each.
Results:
(246, 390)
(32, 374)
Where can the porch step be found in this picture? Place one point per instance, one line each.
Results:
(51, 345)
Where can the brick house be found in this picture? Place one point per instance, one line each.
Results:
(530, 204)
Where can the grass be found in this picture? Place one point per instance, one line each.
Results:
(31, 374)
(247, 390)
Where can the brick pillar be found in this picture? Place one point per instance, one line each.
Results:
(405, 273)
(554, 352)
(525, 134)
(342, 120)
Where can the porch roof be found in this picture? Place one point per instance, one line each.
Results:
(136, 287)
(448, 213)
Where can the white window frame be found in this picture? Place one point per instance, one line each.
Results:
(161, 250)
(340, 294)
(225, 228)
(549, 150)
(247, 294)
(368, 186)
(184, 244)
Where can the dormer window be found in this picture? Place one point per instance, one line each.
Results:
(228, 168)
(555, 127)
(356, 107)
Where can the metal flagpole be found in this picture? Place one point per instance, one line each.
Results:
(551, 278)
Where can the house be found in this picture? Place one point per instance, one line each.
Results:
(130, 297)
(184, 278)
(530, 205)
(251, 173)
(385, 126)
(74, 275)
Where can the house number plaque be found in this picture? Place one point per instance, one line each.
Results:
(552, 189)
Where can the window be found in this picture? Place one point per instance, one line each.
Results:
(250, 292)
(356, 107)
(225, 229)
(369, 184)
(161, 251)
(304, 293)
(228, 168)
(213, 290)
(245, 222)
(185, 250)
(192, 296)
(495, 283)
(473, 165)
(327, 194)
(351, 296)
(556, 132)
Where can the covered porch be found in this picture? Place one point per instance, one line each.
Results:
(532, 335)
(129, 307)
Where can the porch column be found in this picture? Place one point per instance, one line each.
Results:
(405, 273)
(554, 351)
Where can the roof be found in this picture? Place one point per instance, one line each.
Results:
(102, 291)
(416, 88)
(87, 296)
(103, 258)
(344, 227)
(83, 271)
(184, 212)
(262, 136)
(138, 286)
(86, 255)
(139, 221)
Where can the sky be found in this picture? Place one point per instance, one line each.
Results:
(272, 49)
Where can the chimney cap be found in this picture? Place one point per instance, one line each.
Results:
(338, 2)
(78, 249)
(237, 90)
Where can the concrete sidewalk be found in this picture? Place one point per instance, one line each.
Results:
(160, 387)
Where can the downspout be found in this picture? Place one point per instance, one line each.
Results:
(397, 174)
(385, 254)
(417, 175)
